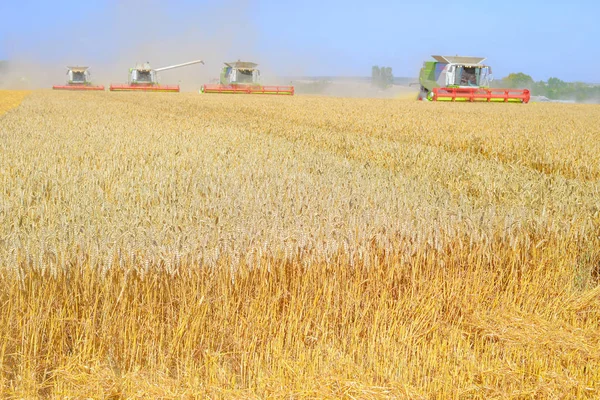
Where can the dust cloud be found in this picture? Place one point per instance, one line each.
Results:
(129, 32)
(132, 32)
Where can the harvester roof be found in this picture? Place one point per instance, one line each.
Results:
(78, 69)
(241, 65)
(459, 60)
(143, 67)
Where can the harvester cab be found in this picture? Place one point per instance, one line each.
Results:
(144, 78)
(142, 74)
(78, 78)
(457, 78)
(240, 72)
(78, 75)
(243, 77)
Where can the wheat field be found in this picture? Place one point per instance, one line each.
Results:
(195, 246)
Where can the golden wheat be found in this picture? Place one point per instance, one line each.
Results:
(214, 246)
(10, 99)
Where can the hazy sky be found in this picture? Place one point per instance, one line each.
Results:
(543, 38)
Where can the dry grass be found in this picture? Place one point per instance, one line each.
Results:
(181, 246)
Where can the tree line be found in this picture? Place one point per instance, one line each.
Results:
(382, 77)
(553, 88)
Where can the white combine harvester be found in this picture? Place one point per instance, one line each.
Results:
(144, 78)
(78, 78)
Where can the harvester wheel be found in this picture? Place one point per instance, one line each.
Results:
(423, 94)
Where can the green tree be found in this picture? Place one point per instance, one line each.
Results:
(382, 77)
(518, 80)
(539, 89)
(558, 89)
(375, 76)
(388, 77)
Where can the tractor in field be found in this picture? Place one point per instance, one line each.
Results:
(243, 77)
(465, 79)
(145, 79)
(78, 78)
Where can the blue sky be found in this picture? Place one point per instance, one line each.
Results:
(541, 38)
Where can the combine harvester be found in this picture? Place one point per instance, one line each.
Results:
(143, 78)
(456, 78)
(79, 79)
(242, 77)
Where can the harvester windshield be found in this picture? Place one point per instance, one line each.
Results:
(245, 76)
(470, 76)
(144, 76)
(78, 77)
